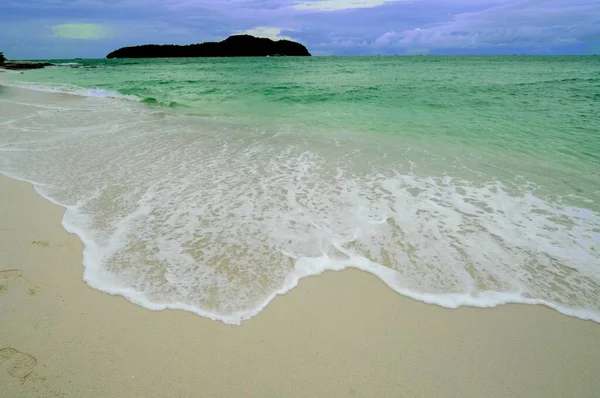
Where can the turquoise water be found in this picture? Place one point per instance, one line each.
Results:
(214, 184)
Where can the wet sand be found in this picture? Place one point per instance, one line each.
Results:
(339, 334)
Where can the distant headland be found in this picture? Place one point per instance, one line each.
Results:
(20, 65)
(233, 46)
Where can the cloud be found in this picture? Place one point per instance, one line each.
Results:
(385, 39)
(330, 26)
(335, 5)
(81, 31)
(528, 23)
(266, 31)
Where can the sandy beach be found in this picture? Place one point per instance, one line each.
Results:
(331, 336)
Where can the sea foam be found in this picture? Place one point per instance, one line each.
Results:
(217, 217)
(72, 90)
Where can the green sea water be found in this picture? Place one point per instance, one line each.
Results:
(541, 112)
(457, 180)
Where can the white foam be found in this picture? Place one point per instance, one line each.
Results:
(72, 90)
(41, 106)
(218, 219)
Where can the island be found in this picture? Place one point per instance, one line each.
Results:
(233, 46)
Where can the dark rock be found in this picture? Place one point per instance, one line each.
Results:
(233, 46)
(25, 65)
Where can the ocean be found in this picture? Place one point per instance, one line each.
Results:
(213, 185)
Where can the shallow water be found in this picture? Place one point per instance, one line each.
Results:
(211, 185)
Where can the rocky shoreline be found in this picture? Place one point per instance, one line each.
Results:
(24, 65)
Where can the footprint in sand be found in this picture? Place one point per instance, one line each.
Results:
(16, 363)
(6, 275)
(10, 274)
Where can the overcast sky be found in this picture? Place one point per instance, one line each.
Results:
(92, 28)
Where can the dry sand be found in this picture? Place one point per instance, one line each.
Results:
(338, 334)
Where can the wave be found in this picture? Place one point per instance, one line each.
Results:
(92, 93)
(571, 80)
(67, 64)
(79, 91)
(339, 257)
(149, 100)
(218, 219)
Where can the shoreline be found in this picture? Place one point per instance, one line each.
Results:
(237, 319)
(484, 300)
(339, 334)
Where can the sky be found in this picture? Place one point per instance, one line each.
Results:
(35, 29)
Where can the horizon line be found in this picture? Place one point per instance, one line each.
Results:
(346, 56)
